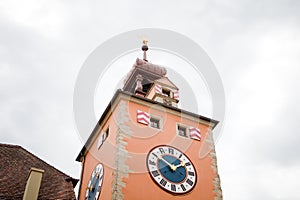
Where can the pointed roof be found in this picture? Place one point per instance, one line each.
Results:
(166, 81)
(15, 165)
(148, 70)
(139, 63)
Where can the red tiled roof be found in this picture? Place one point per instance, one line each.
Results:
(15, 165)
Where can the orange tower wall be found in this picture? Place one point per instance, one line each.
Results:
(137, 182)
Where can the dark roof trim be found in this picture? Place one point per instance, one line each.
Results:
(119, 91)
(73, 180)
(215, 122)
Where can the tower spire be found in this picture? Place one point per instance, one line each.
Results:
(145, 48)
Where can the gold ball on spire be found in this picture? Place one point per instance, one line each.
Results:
(145, 42)
(145, 46)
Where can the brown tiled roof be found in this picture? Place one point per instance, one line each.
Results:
(15, 165)
(150, 67)
(146, 69)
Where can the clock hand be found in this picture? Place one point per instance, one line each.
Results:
(92, 187)
(170, 165)
(179, 165)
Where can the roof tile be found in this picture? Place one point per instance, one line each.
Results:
(15, 165)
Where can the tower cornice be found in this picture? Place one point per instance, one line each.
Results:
(119, 95)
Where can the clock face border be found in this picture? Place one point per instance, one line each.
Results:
(162, 187)
(94, 173)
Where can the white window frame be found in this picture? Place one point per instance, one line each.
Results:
(102, 138)
(187, 130)
(159, 122)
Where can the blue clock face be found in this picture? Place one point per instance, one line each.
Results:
(171, 169)
(95, 183)
(175, 176)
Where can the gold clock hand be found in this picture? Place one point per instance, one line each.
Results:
(92, 187)
(170, 165)
(180, 165)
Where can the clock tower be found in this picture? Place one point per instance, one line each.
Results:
(145, 147)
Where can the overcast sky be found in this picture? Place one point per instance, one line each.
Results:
(255, 46)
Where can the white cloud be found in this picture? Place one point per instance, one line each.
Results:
(44, 17)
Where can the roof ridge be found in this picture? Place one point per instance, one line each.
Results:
(46, 162)
(10, 145)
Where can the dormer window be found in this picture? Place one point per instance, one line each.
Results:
(146, 87)
(166, 92)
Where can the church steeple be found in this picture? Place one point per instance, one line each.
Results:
(150, 81)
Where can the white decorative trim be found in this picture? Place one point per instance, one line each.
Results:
(143, 117)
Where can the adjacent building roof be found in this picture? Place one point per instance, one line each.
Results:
(15, 165)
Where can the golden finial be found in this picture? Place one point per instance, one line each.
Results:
(145, 42)
(145, 48)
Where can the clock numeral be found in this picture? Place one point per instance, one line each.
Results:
(182, 187)
(155, 173)
(163, 182)
(191, 173)
(180, 156)
(162, 151)
(155, 155)
(189, 182)
(151, 162)
(187, 164)
(173, 187)
(171, 151)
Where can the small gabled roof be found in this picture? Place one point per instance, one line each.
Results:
(166, 81)
(15, 165)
